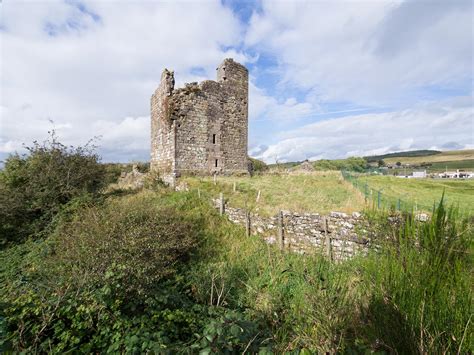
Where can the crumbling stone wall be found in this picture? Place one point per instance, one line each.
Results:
(344, 234)
(132, 180)
(163, 145)
(201, 128)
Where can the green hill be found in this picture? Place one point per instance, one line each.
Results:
(412, 153)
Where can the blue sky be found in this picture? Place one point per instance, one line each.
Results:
(328, 79)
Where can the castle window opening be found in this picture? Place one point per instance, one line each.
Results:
(214, 138)
(216, 163)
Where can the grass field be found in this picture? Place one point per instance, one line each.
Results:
(424, 192)
(326, 191)
(467, 165)
(438, 167)
(448, 156)
(313, 192)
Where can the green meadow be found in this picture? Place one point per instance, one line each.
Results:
(327, 191)
(269, 193)
(424, 192)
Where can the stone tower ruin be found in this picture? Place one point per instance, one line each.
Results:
(201, 129)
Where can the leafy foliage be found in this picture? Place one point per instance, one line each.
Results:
(131, 241)
(257, 166)
(112, 278)
(162, 272)
(35, 186)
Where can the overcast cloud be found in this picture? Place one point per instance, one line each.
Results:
(329, 79)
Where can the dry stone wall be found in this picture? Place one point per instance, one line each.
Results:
(342, 235)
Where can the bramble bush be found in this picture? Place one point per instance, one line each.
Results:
(132, 240)
(112, 278)
(35, 186)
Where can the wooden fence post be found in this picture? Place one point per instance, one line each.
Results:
(258, 196)
(328, 240)
(221, 204)
(281, 236)
(343, 250)
(199, 192)
(247, 223)
(215, 179)
(235, 186)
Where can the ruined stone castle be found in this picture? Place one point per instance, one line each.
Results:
(202, 128)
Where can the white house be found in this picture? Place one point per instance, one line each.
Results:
(419, 174)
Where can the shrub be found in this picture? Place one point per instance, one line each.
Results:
(257, 166)
(129, 242)
(351, 164)
(34, 186)
(112, 172)
(104, 281)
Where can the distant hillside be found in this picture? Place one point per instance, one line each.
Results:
(441, 157)
(432, 160)
(413, 153)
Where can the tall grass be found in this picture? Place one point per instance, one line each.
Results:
(300, 192)
(422, 287)
(413, 295)
(234, 293)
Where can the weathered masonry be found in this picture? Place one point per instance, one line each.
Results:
(202, 128)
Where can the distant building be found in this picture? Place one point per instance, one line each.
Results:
(415, 175)
(419, 174)
(458, 174)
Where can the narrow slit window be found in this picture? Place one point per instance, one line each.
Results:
(216, 163)
(213, 139)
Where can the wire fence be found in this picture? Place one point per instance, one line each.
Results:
(378, 199)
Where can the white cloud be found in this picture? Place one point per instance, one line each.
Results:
(91, 67)
(368, 53)
(436, 125)
(265, 107)
(87, 63)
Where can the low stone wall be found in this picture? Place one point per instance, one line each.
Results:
(338, 234)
